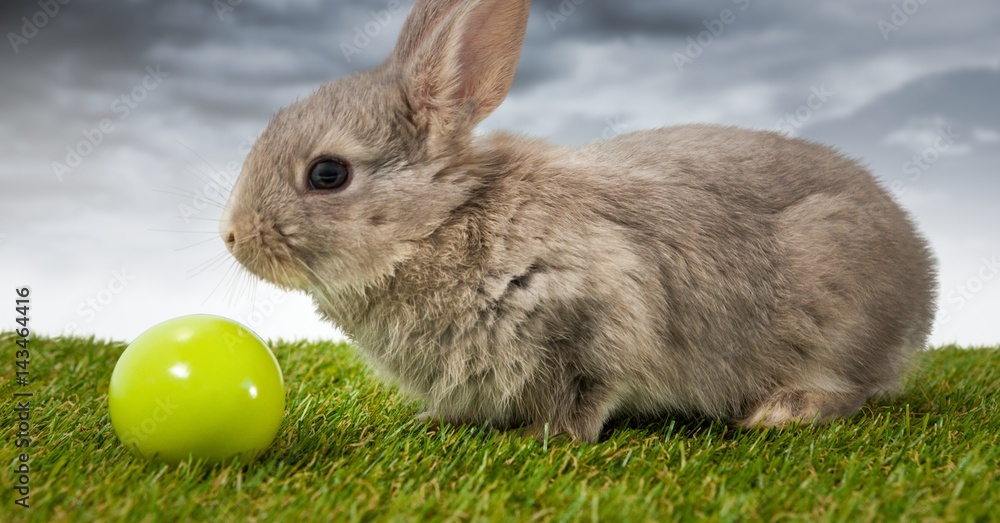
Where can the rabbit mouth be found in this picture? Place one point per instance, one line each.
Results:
(268, 255)
(280, 270)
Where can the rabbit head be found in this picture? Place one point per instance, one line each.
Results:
(341, 184)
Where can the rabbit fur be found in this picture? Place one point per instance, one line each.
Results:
(699, 269)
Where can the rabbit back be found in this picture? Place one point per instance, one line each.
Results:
(781, 264)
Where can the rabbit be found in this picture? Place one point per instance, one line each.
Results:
(696, 270)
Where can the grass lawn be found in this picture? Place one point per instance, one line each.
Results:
(348, 450)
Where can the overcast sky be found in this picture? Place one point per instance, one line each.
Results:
(113, 236)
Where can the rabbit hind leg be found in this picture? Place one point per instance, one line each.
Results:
(790, 407)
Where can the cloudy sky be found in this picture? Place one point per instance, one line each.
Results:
(123, 123)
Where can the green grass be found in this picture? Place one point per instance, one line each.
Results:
(348, 450)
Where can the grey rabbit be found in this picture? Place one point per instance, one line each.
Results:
(700, 270)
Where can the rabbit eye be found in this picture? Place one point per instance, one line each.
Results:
(329, 174)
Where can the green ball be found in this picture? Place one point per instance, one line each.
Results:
(197, 387)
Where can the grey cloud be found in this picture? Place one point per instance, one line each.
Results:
(956, 100)
(607, 65)
(596, 19)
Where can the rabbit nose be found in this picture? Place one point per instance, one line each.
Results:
(226, 229)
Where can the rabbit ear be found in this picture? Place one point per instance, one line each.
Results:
(424, 18)
(458, 59)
